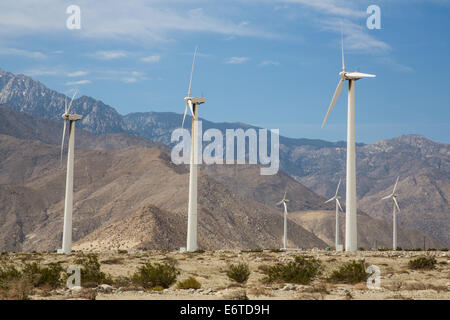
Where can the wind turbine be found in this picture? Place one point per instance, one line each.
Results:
(351, 206)
(192, 104)
(284, 201)
(68, 203)
(338, 206)
(393, 196)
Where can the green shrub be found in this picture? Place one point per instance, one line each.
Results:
(40, 276)
(13, 286)
(351, 272)
(422, 263)
(189, 283)
(158, 274)
(238, 272)
(302, 270)
(90, 271)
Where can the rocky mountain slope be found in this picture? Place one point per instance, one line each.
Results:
(116, 186)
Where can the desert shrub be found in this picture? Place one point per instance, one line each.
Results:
(199, 251)
(444, 249)
(302, 270)
(90, 271)
(350, 272)
(43, 276)
(431, 249)
(189, 283)
(422, 263)
(252, 250)
(276, 250)
(12, 284)
(157, 274)
(122, 251)
(383, 249)
(238, 272)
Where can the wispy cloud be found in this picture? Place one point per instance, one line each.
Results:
(339, 8)
(266, 63)
(237, 60)
(78, 73)
(119, 20)
(23, 53)
(152, 59)
(77, 83)
(109, 55)
(125, 76)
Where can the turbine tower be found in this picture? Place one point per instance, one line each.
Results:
(338, 206)
(351, 206)
(284, 201)
(68, 203)
(393, 196)
(192, 104)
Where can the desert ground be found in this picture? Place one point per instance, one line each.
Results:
(398, 279)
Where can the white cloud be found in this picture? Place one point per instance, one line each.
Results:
(269, 63)
(78, 73)
(142, 21)
(152, 59)
(237, 60)
(109, 55)
(76, 83)
(23, 53)
(339, 8)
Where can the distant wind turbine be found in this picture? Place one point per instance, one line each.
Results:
(284, 201)
(338, 206)
(393, 196)
(192, 104)
(351, 206)
(68, 203)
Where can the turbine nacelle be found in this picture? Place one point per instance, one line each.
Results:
(197, 101)
(355, 75)
(72, 117)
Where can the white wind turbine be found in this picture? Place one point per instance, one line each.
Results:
(338, 206)
(284, 201)
(192, 104)
(393, 196)
(351, 207)
(68, 203)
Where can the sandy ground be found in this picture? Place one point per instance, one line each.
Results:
(398, 281)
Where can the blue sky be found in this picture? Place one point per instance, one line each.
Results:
(269, 63)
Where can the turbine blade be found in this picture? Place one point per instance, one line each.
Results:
(284, 197)
(65, 105)
(387, 197)
(184, 117)
(70, 104)
(337, 189)
(62, 141)
(329, 200)
(396, 203)
(358, 75)
(333, 101)
(192, 108)
(395, 185)
(342, 45)
(192, 72)
(339, 204)
(278, 203)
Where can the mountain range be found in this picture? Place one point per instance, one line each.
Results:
(423, 165)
